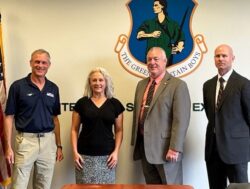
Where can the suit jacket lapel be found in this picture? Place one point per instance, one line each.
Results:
(213, 91)
(141, 92)
(161, 88)
(229, 87)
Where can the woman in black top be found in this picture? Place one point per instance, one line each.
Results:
(96, 148)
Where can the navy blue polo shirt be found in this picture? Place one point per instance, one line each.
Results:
(33, 109)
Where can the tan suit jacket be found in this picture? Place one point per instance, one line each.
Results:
(167, 120)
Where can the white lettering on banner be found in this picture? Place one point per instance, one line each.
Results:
(180, 69)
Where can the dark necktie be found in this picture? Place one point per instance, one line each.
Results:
(221, 80)
(147, 104)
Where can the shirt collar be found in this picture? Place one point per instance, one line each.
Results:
(28, 79)
(158, 79)
(226, 76)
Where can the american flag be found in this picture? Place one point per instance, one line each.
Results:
(5, 172)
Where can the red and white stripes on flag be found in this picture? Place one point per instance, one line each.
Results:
(5, 171)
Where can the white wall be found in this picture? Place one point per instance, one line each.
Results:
(82, 34)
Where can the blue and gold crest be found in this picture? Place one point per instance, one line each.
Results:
(166, 24)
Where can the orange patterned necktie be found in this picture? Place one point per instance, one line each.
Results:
(147, 104)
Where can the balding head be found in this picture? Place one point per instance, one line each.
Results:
(223, 58)
(225, 46)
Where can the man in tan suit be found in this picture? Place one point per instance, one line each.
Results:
(159, 135)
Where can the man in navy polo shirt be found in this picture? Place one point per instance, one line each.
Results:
(33, 105)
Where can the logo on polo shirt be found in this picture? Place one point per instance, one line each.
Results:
(30, 94)
(50, 94)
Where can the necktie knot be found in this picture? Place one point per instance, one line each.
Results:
(153, 82)
(221, 80)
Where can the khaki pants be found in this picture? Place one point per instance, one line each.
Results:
(38, 150)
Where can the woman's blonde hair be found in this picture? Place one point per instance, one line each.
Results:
(109, 90)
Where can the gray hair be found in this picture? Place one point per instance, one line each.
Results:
(40, 51)
(109, 90)
(163, 53)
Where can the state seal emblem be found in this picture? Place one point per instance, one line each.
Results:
(166, 24)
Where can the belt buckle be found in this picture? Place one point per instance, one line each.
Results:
(39, 135)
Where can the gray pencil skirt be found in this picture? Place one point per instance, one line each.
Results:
(95, 171)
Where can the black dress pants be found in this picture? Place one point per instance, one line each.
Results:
(218, 171)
